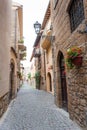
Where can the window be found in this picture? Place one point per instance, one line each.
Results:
(76, 13)
(55, 3)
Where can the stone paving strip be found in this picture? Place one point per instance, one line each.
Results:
(35, 110)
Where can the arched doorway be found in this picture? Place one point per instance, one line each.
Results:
(63, 82)
(11, 81)
(49, 82)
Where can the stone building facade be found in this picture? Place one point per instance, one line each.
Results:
(11, 31)
(70, 86)
(16, 35)
(42, 53)
(5, 31)
(32, 70)
(36, 60)
(46, 53)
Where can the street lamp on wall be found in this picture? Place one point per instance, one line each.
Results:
(37, 27)
(51, 38)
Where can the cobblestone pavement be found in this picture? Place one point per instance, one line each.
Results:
(35, 110)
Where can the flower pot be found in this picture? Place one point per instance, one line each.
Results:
(77, 61)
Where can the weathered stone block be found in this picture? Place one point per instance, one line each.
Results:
(4, 103)
(83, 102)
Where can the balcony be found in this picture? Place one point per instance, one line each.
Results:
(21, 45)
(22, 55)
(21, 41)
(46, 40)
(37, 52)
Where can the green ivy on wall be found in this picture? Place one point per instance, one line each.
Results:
(37, 79)
(29, 76)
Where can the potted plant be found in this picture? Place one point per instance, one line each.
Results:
(74, 57)
(21, 41)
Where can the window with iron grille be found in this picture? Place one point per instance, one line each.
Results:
(76, 13)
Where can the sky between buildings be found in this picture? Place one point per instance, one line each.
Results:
(33, 10)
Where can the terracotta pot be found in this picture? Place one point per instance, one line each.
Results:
(77, 60)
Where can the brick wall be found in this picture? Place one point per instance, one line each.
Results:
(76, 78)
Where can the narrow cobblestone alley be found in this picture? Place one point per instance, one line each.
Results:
(35, 110)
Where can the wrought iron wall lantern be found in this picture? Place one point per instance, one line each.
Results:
(37, 27)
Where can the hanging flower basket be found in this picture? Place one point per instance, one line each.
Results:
(74, 57)
(77, 60)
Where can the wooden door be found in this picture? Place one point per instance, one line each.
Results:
(63, 83)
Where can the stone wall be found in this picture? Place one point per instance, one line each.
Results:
(4, 101)
(76, 78)
(49, 69)
(43, 71)
(77, 93)
(5, 35)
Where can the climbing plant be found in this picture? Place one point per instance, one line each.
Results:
(29, 76)
(37, 79)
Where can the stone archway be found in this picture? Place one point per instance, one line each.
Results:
(49, 82)
(62, 90)
(11, 90)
